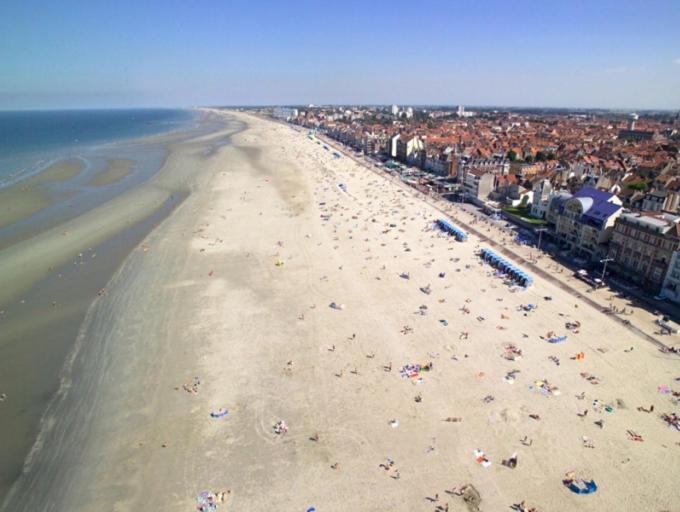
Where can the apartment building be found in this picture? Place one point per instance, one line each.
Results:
(541, 198)
(439, 163)
(584, 221)
(478, 184)
(373, 143)
(661, 200)
(642, 246)
(407, 145)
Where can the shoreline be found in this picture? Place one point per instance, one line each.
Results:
(234, 290)
(47, 287)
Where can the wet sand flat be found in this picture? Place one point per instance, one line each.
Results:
(50, 278)
(32, 195)
(232, 300)
(116, 170)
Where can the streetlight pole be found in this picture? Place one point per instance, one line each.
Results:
(540, 233)
(604, 267)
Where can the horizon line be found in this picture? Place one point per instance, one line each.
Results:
(333, 105)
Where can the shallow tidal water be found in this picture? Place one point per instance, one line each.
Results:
(40, 323)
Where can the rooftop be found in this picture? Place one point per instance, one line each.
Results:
(659, 222)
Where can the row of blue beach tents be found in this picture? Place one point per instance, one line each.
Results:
(515, 273)
(447, 227)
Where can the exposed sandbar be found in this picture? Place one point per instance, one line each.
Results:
(32, 195)
(116, 170)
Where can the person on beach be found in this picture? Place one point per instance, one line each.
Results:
(511, 462)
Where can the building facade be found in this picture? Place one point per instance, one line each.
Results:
(393, 145)
(407, 146)
(541, 198)
(661, 201)
(671, 283)
(438, 163)
(585, 221)
(642, 246)
(478, 184)
(498, 166)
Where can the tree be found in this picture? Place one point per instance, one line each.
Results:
(639, 185)
(541, 156)
(529, 159)
(512, 156)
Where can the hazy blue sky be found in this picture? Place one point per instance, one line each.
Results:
(89, 53)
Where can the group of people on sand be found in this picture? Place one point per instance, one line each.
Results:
(210, 501)
(280, 427)
(510, 352)
(523, 507)
(193, 386)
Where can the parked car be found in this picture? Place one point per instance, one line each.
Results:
(586, 277)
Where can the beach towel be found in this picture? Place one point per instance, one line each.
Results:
(581, 487)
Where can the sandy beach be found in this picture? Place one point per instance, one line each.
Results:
(226, 306)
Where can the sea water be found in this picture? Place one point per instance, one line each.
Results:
(30, 140)
(38, 331)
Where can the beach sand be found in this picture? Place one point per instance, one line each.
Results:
(234, 290)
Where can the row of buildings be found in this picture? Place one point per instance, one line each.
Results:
(601, 186)
(597, 225)
(642, 246)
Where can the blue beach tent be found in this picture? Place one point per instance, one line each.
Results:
(506, 267)
(449, 228)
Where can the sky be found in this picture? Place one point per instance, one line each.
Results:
(132, 53)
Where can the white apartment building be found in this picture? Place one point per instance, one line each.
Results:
(541, 199)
